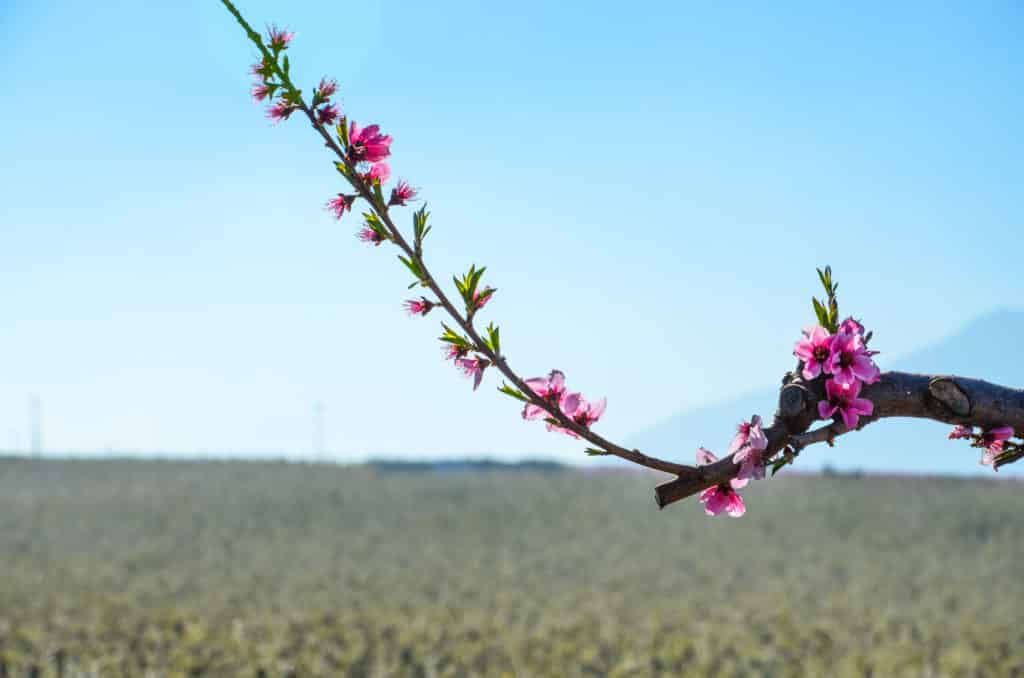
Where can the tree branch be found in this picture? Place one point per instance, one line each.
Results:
(947, 399)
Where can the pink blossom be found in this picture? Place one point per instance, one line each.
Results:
(749, 446)
(340, 204)
(851, 326)
(282, 110)
(327, 88)
(814, 350)
(327, 115)
(749, 432)
(370, 236)
(261, 70)
(996, 435)
(260, 91)
(722, 497)
(580, 411)
(380, 172)
(959, 432)
(421, 306)
(846, 400)
(481, 298)
(850, 361)
(453, 352)
(550, 389)
(367, 144)
(402, 193)
(279, 38)
(473, 367)
(993, 440)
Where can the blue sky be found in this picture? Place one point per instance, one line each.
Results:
(650, 189)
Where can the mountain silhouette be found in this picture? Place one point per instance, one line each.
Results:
(988, 347)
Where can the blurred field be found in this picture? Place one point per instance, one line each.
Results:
(221, 569)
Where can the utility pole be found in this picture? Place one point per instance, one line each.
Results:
(35, 414)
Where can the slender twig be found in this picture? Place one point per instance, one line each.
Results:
(380, 208)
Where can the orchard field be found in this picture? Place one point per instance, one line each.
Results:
(122, 568)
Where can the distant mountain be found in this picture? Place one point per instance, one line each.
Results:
(989, 347)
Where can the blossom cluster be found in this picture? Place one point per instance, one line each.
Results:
(748, 448)
(573, 405)
(843, 356)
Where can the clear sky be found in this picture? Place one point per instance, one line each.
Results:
(650, 186)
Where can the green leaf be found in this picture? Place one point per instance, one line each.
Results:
(594, 452)
(414, 268)
(452, 337)
(342, 130)
(821, 312)
(515, 393)
(493, 339)
(778, 465)
(378, 193)
(342, 168)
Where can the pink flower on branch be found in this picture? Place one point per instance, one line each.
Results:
(960, 432)
(327, 88)
(580, 411)
(473, 367)
(261, 70)
(721, 498)
(481, 298)
(993, 441)
(340, 204)
(851, 326)
(282, 110)
(550, 388)
(814, 350)
(402, 193)
(379, 172)
(851, 360)
(327, 115)
(367, 144)
(846, 401)
(260, 91)
(370, 236)
(749, 433)
(421, 306)
(279, 38)
(454, 352)
(748, 448)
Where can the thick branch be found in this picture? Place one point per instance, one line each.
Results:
(947, 399)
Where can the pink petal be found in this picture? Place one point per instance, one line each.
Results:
(862, 406)
(736, 507)
(705, 456)
(826, 410)
(532, 411)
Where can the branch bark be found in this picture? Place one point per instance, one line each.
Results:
(947, 399)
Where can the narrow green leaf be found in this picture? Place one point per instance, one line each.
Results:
(594, 452)
(515, 393)
(819, 310)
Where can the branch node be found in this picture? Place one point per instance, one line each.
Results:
(947, 392)
(792, 401)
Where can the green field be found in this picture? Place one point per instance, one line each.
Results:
(121, 568)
